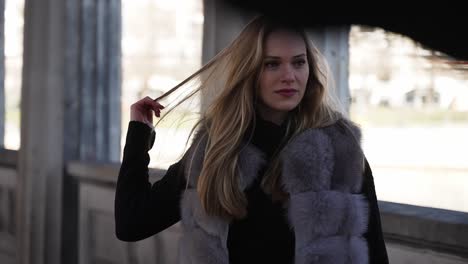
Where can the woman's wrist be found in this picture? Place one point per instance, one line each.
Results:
(151, 126)
(140, 134)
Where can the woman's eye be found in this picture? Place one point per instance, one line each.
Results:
(271, 64)
(299, 62)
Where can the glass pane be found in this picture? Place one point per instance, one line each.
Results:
(412, 104)
(13, 67)
(161, 46)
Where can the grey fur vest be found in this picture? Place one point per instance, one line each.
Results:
(322, 170)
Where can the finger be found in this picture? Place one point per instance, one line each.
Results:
(145, 100)
(149, 102)
(140, 103)
(159, 105)
(157, 113)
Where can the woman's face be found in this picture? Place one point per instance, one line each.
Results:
(284, 75)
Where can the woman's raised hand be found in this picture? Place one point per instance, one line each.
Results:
(143, 110)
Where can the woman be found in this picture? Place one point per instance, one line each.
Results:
(275, 172)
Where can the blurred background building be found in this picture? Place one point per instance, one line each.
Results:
(411, 103)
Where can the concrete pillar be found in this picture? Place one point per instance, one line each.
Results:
(222, 23)
(100, 78)
(333, 43)
(2, 73)
(70, 110)
(40, 164)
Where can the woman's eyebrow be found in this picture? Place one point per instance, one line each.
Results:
(300, 55)
(277, 57)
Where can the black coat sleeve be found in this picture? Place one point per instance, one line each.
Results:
(374, 234)
(141, 209)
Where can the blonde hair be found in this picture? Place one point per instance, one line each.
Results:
(232, 78)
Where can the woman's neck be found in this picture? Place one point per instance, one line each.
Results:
(276, 117)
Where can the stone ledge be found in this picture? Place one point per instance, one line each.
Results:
(424, 227)
(103, 173)
(8, 158)
(421, 227)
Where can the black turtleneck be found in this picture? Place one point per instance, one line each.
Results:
(264, 236)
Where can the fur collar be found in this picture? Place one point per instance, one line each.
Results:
(322, 171)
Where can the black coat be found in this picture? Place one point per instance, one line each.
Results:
(142, 209)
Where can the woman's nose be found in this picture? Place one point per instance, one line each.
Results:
(288, 74)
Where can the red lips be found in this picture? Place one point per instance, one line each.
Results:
(286, 92)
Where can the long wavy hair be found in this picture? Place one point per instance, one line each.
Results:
(231, 80)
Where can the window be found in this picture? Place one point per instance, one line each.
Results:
(412, 105)
(161, 46)
(13, 71)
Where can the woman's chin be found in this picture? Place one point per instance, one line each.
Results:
(285, 107)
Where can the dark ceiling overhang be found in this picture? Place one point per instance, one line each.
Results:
(442, 26)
